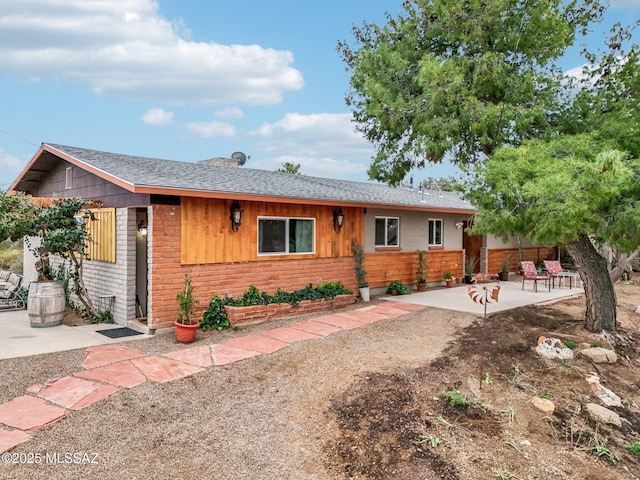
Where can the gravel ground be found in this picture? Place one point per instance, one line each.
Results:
(262, 418)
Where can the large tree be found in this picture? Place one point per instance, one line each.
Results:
(574, 190)
(459, 77)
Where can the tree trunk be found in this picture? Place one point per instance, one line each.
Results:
(598, 287)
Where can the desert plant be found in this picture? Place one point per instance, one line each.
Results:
(633, 448)
(396, 287)
(504, 265)
(456, 398)
(448, 276)
(358, 256)
(186, 302)
(470, 265)
(422, 269)
(569, 344)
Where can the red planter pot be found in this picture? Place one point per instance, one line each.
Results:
(186, 333)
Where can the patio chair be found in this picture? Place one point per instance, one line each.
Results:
(10, 294)
(554, 270)
(529, 272)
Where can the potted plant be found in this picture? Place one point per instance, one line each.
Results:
(469, 267)
(449, 279)
(185, 326)
(361, 273)
(421, 271)
(504, 270)
(396, 287)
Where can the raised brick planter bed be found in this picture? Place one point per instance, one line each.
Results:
(260, 313)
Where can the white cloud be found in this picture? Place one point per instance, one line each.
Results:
(211, 129)
(318, 135)
(316, 167)
(158, 117)
(126, 49)
(623, 4)
(324, 144)
(229, 114)
(10, 166)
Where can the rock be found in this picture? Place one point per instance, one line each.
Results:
(600, 355)
(604, 415)
(554, 348)
(547, 406)
(637, 309)
(605, 395)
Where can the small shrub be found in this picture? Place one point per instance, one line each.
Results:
(597, 344)
(569, 344)
(633, 448)
(456, 399)
(396, 287)
(216, 316)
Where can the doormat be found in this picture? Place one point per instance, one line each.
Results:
(119, 332)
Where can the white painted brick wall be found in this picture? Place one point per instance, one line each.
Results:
(119, 278)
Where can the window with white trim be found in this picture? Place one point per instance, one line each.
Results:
(387, 232)
(435, 232)
(283, 236)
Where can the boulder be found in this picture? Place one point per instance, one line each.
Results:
(603, 414)
(554, 348)
(547, 406)
(605, 395)
(599, 355)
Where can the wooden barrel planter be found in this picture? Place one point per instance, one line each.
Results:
(46, 304)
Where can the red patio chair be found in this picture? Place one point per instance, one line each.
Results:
(553, 268)
(529, 272)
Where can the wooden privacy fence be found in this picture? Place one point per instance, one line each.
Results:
(102, 245)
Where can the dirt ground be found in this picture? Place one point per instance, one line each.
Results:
(360, 404)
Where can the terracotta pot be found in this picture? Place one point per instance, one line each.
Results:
(421, 286)
(186, 333)
(450, 283)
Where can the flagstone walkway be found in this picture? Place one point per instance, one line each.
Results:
(109, 368)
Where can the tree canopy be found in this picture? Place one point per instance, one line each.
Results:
(459, 77)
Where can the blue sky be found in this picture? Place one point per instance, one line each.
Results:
(191, 79)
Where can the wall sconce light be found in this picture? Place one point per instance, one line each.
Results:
(142, 228)
(459, 225)
(338, 219)
(236, 215)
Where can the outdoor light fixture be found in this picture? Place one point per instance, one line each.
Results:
(459, 225)
(142, 228)
(338, 219)
(236, 215)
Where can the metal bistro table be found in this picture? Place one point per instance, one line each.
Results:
(570, 276)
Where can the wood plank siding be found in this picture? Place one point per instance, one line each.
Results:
(382, 268)
(494, 264)
(206, 235)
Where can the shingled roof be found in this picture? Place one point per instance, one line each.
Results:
(153, 175)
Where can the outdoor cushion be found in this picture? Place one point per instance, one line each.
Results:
(14, 279)
(4, 275)
(529, 272)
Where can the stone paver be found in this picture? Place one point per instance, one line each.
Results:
(290, 335)
(198, 356)
(363, 318)
(75, 393)
(225, 355)
(161, 370)
(339, 321)
(29, 413)
(121, 374)
(257, 343)
(11, 438)
(106, 354)
(113, 366)
(318, 328)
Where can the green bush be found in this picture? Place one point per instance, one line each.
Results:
(634, 448)
(457, 399)
(216, 316)
(396, 287)
(569, 344)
